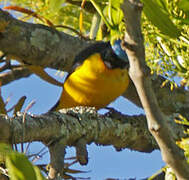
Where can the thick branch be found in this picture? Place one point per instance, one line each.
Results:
(115, 129)
(37, 44)
(157, 121)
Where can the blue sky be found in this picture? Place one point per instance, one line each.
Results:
(104, 162)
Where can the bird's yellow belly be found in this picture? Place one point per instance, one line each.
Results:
(94, 87)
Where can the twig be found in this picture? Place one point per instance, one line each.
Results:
(23, 122)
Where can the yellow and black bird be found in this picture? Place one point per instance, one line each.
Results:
(99, 76)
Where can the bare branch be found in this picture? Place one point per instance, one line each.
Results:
(139, 73)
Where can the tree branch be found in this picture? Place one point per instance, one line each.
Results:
(110, 129)
(80, 126)
(14, 74)
(113, 128)
(139, 73)
(37, 44)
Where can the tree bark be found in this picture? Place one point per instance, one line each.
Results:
(113, 128)
(36, 44)
(139, 73)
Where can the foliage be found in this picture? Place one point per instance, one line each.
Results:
(164, 54)
(184, 142)
(18, 165)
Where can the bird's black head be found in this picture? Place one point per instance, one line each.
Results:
(114, 56)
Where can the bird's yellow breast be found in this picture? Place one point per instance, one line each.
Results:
(93, 84)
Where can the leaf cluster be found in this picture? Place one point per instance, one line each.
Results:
(167, 43)
(184, 142)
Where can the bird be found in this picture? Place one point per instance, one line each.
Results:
(99, 75)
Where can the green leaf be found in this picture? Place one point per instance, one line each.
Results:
(160, 18)
(5, 149)
(99, 35)
(114, 35)
(56, 5)
(38, 173)
(184, 5)
(98, 9)
(19, 167)
(117, 14)
(117, 3)
(114, 15)
(163, 4)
